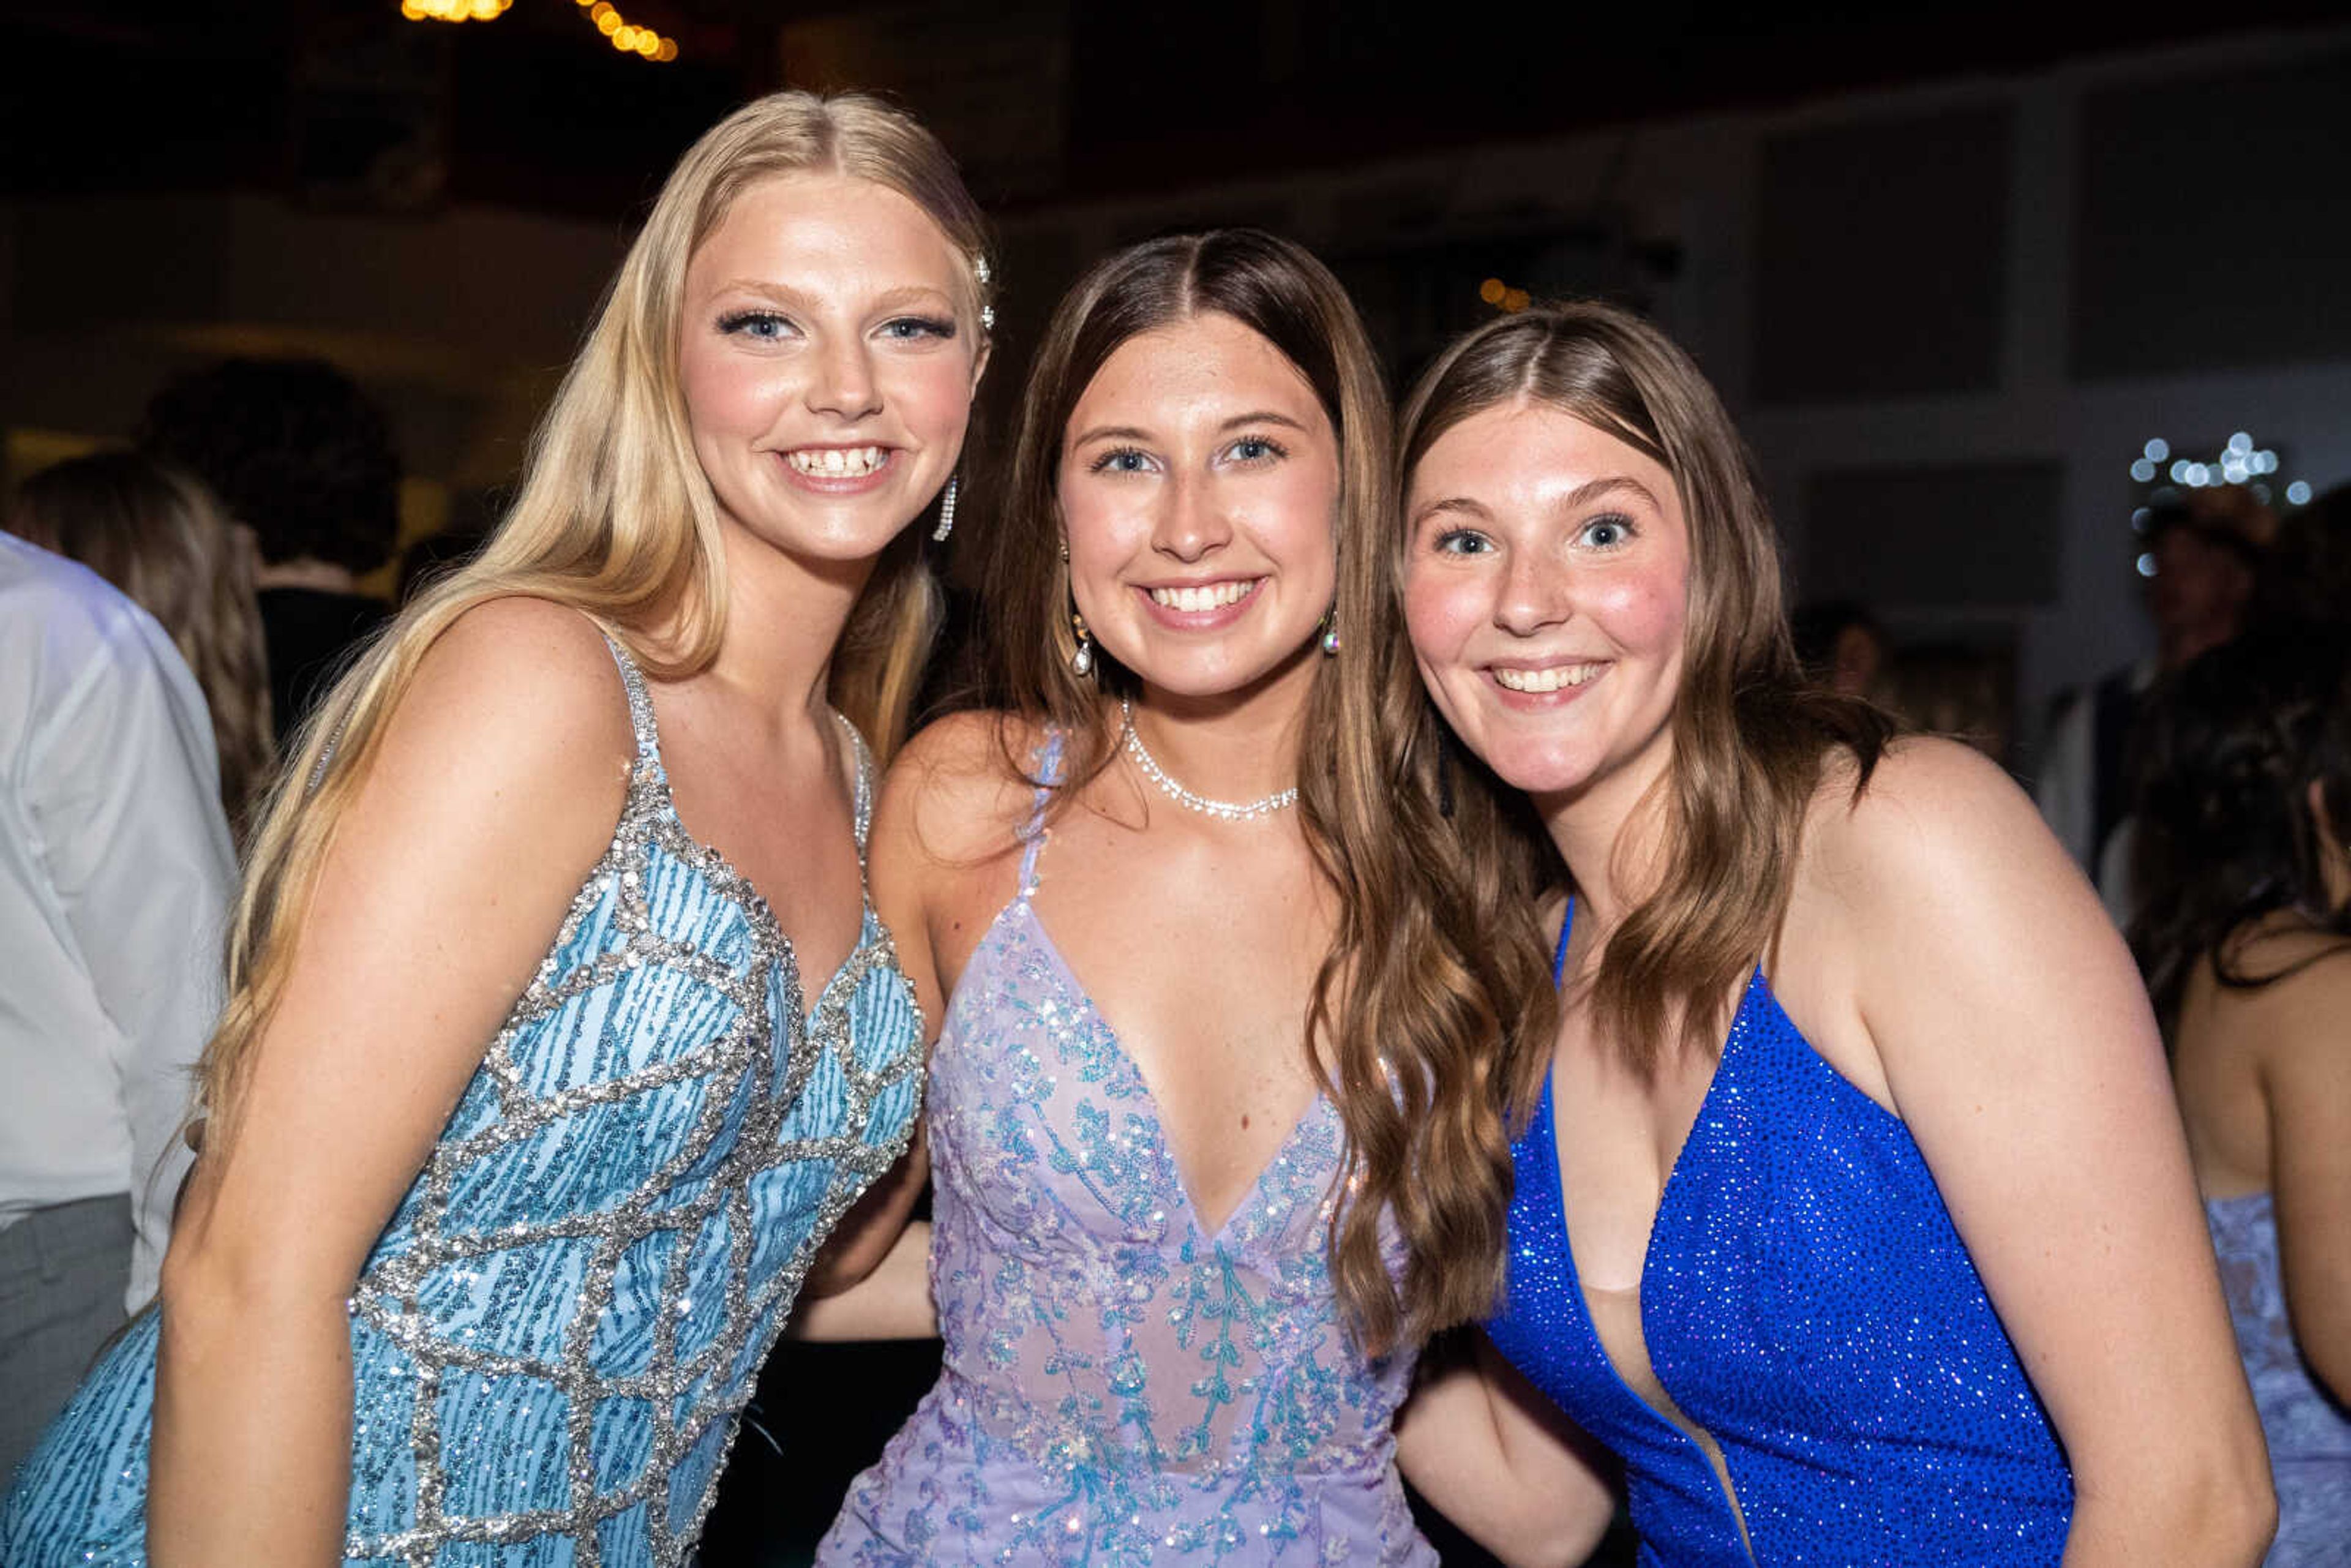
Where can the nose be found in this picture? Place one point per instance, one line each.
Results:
(1190, 524)
(843, 381)
(1535, 592)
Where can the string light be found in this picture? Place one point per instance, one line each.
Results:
(644, 43)
(454, 10)
(1504, 297)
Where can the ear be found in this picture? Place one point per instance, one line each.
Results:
(979, 360)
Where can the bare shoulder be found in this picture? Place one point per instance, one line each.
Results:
(518, 699)
(2295, 1019)
(958, 792)
(1931, 809)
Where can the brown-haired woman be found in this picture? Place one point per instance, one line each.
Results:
(159, 536)
(1893, 1256)
(531, 1107)
(1153, 881)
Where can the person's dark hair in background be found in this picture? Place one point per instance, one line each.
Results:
(2205, 557)
(297, 453)
(2244, 935)
(1841, 644)
(2307, 577)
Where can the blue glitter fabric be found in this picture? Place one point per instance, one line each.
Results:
(1121, 1384)
(2309, 1435)
(1807, 1303)
(552, 1339)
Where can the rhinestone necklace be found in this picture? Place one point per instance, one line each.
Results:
(1224, 810)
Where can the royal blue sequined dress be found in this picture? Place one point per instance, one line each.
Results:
(555, 1335)
(1806, 1302)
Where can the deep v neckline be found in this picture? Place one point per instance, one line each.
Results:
(1554, 1164)
(1080, 993)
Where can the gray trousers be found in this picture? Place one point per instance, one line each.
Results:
(63, 1274)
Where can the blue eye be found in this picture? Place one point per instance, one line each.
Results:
(1254, 449)
(763, 325)
(1461, 541)
(909, 329)
(1607, 533)
(1121, 460)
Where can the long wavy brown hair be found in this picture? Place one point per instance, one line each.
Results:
(161, 536)
(1401, 1000)
(615, 518)
(1751, 739)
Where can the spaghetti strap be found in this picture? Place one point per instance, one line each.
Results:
(1047, 759)
(864, 799)
(641, 701)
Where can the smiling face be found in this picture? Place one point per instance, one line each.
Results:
(1546, 591)
(1199, 491)
(827, 359)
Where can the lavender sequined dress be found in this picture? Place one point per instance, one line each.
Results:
(2309, 1435)
(1122, 1384)
(553, 1338)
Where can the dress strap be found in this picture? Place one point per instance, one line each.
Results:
(1047, 762)
(864, 755)
(641, 701)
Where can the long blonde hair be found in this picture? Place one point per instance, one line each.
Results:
(163, 538)
(1401, 996)
(615, 518)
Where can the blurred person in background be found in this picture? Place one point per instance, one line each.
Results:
(297, 453)
(2244, 935)
(159, 536)
(116, 871)
(2205, 549)
(2305, 578)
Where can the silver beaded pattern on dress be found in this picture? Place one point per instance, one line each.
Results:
(657, 1400)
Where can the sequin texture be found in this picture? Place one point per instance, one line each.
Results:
(1122, 1385)
(2309, 1435)
(1806, 1300)
(554, 1336)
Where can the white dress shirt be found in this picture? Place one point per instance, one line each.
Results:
(116, 873)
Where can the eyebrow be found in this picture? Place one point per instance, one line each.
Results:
(1134, 432)
(785, 294)
(1583, 495)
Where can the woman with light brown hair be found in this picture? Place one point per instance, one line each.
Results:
(1852, 1212)
(159, 536)
(1162, 896)
(531, 1107)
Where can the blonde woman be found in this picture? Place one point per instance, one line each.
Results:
(524, 1128)
(159, 536)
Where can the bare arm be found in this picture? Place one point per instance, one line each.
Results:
(2018, 1048)
(496, 788)
(1500, 1460)
(936, 824)
(894, 1302)
(2306, 1081)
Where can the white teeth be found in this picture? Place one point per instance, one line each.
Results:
(1215, 596)
(836, 461)
(1545, 680)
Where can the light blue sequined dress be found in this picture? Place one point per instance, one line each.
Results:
(1122, 1385)
(553, 1338)
(2309, 1434)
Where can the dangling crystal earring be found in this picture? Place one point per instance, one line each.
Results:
(1082, 661)
(1331, 633)
(946, 512)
